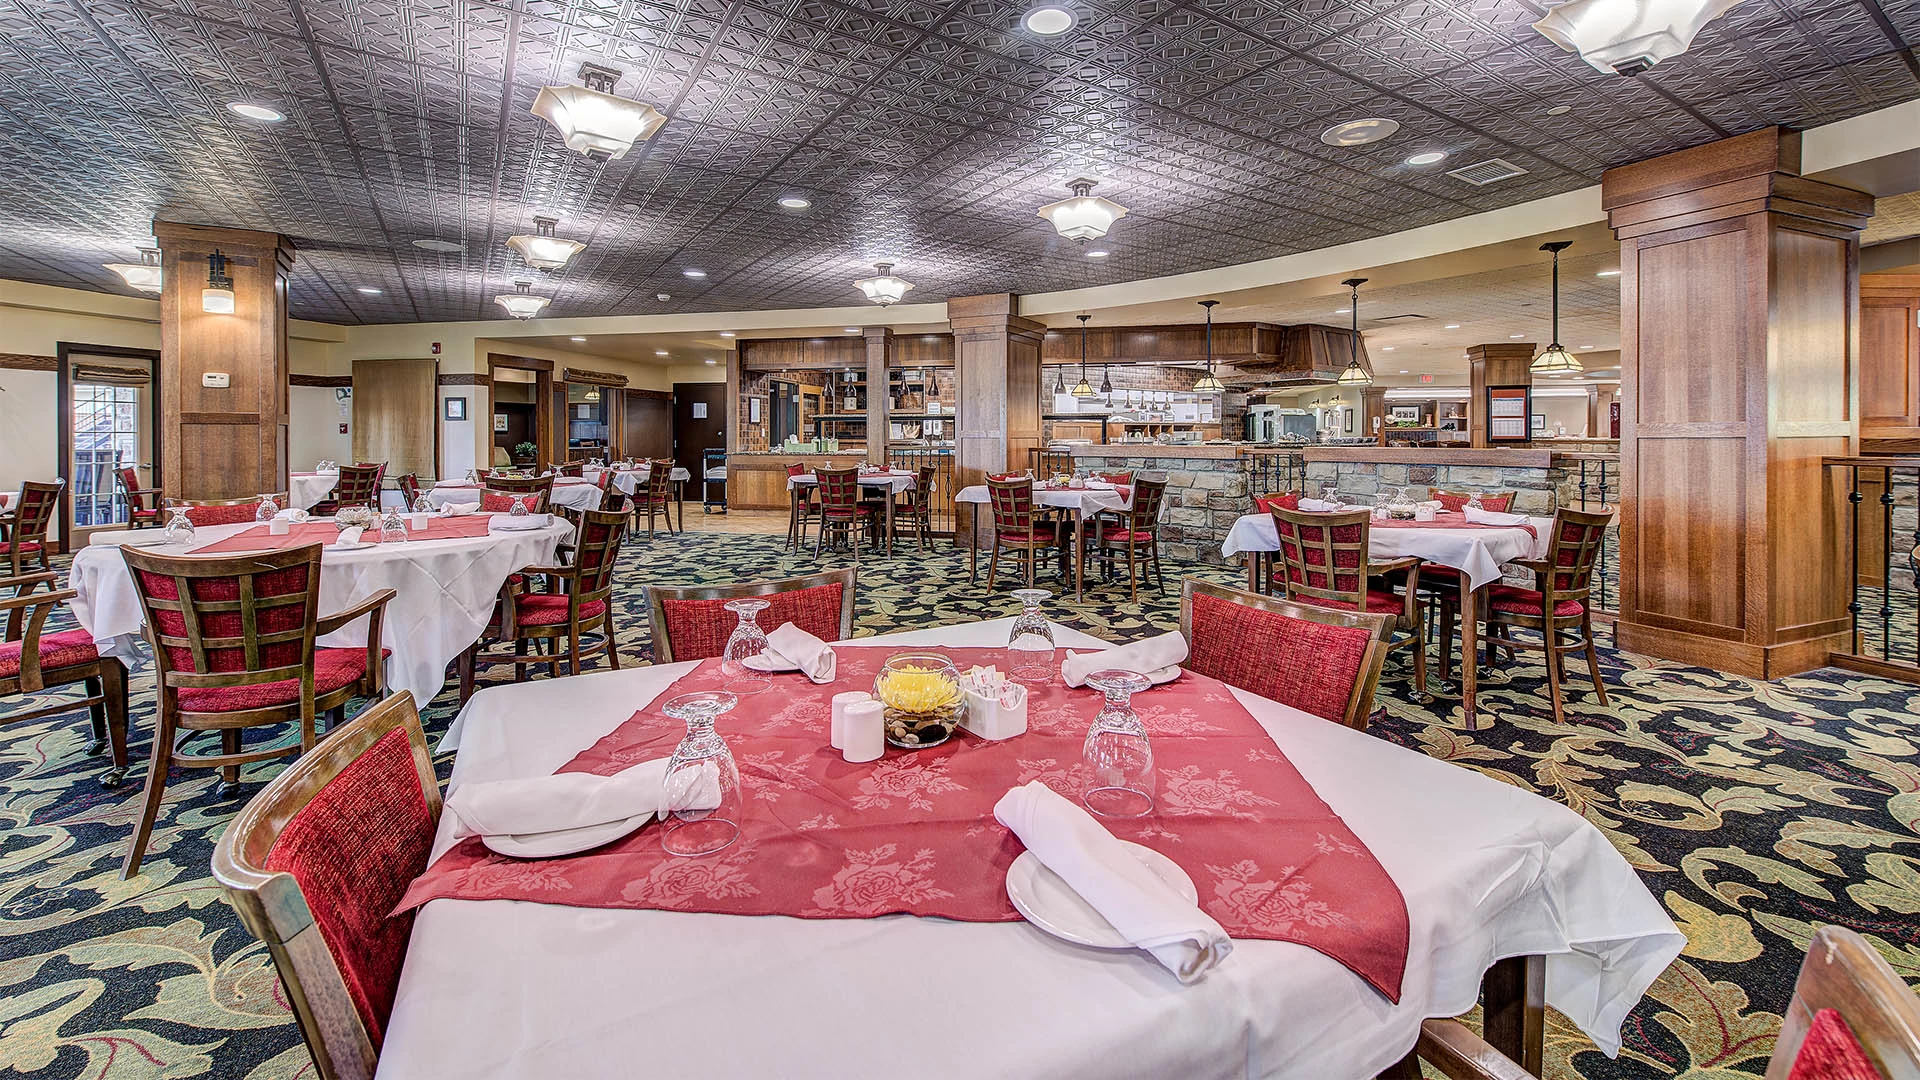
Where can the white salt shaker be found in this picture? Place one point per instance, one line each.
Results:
(279, 526)
(836, 731)
(418, 520)
(863, 731)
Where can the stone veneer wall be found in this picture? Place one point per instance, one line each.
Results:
(1536, 490)
(1204, 496)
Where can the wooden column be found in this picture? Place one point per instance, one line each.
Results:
(1890, 363)
(1739, 301)
(223, 442)
(996, 371)
(1508, 363)
(1373, 412)
(1595, 413)
(879, 360)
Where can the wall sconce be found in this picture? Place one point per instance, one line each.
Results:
(217, 297)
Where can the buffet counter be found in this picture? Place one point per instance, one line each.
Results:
(758, 481)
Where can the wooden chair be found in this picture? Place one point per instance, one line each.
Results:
(314, 863)
(1133, 530)
(800, 505)
(843, 511)
(572, 468)
(1319, 660)
(916, 507)
(578, 601)
(654, 498)
(1017, 524)
(1500, 502)
(359, 485)
(225, 511)
(23, 531)
(1557, 607)
(233, 646)
(498, 492)
(409, 486)
(143, 504)
(692, 622)
(1323, 563)
(32, 660)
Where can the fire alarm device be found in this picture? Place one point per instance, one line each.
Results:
(436, 348)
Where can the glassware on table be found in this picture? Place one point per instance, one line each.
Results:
(1473, 501)
(1030, 648)
(179, 528)
(1118, 755)
(920, 698)
(393, 528)
(747, 640)
(1329, 491)
(519, 507)
(703, 784)
(473, 476)
(268, 508)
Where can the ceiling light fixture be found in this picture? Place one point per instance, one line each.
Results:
(1608, 273)
(796, 202)
(692, 273)
(1098, 253)
(849, 329)
(1355, 375)
(1209, 383)
(1556, 361)
(663, 297)
(1085, 216)
(713, 361)
(1560, 110)
(144, 275)
(1370, 129)
(541, 249)
(1516, 337)
(1431, 157)
(368, 290)
(1452, 326)
(521, 303)
(883, 287)
(1083, 388)
(256, 112)
(592, 396)
(217, 297)
(1049, 21)
(727, 333)
(661, 352)
(1387, 348)
(577, 339)
(1628, 38)
(591, 120)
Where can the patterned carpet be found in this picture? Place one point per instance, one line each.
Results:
(1755, 811)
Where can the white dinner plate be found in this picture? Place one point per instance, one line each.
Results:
(550, 845)
(1049, 903)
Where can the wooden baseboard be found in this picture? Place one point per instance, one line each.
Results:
(1721, 654)
(1883, 669)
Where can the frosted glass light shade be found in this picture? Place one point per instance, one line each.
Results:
(1628, 36)
(594, 123)
(216, 301)
(1556, 360)
(1085, 216)
(545, 252)
(884, 287)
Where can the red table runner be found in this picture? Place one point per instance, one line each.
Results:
(257, 538)
(914, 832)
(1448, 520)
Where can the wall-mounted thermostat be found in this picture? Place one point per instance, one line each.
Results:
(214, 380)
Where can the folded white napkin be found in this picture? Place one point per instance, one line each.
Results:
(796, 646)
(1158, 658)
(1492, 517)
(458, 509)
(1099, 485)
(350, 536)
(509, 523)
(1318, 506)
(1144, 909)
(539, 804)
(293, 514)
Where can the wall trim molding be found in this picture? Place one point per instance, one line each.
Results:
(28, 362)
(597, 378)
(297, 379)
(464, 378)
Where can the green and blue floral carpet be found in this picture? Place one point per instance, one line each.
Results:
(1755, 811)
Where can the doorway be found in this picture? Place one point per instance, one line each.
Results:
(110, 421)
(649, 425)
(699, 423)
(519, 390)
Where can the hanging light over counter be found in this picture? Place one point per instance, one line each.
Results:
(144, 275)
(1556, 360)
(1084, 217)
(884, 287)
(541, 249)
(521, 303)
(217, 297)
(1209, 383)
(1628, 38)
(1083, 388)
(1355, 375)
(592, 120)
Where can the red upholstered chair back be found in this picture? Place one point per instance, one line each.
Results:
(1285, 500)
(1572, 549)
(225, 511)
(1849, 1010)
(34, 512)
(497, 491)
(230, 621)
(1324, 555)
(1147, 497)
(596, 549)
(692, 623)
(409, 486)
(839, 490)
(501, 502)
(798, 469)
(316, 861)
(1500, 502)
(1012, 504)
(360, 485)
(1317, 660)
(573, 468)
(1125, 477)
(131, 491)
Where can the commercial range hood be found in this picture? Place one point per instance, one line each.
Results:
(1248, 356)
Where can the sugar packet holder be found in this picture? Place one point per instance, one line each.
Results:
(996, 706)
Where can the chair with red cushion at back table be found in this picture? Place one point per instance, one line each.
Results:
(692, 622)
(1318, 660)
(1323, 562)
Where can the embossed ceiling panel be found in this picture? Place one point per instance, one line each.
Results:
(924, 131)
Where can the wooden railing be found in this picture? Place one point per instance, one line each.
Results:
(1882, 522)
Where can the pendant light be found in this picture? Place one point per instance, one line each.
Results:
(1208, 383)
(1083, 388)
(144, 275)
(521, 303)
(217, 297)
(592, 396)
(1628, 38)
(592, 120)
(1355, 375)
(1106, 383)
(1556, 360)
(541, 249)
(1059, 380)
(883, 287)
(1084, 217)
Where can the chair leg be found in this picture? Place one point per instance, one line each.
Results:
(156, 789)
(1548, 639)
(465, 663)
(1593, 660)
(1419, 658)
(113, 687)
(1159, 578)
(97, 715)
(1446, 644)
(1133, 577)
(993, 565)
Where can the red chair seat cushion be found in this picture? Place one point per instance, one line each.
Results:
(1308, 665)
(64, 649)
(847, 513)
(1831, 1052)
(1435, 574)
(21, 546)
(550, 609)
(698, 629)
(1378, 600)
(1024, 536)
(332, 670)
(138, 514)
(1120, 534)
(1528, 602)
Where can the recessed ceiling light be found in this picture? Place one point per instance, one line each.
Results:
(1049, 20)
(576, 339)
(661, 352)
(1453, 326)
(1403, 371)
(1608, 273)
(850, 329)
(1586, 346)
(692, 273)
(795, 202)
(368, 290)
(1516, 337)
(1387, 348)
(1560, 110)
(1360, 132)
(726, 333)
(713, 361)
(256, 112)
(1343, 311)
(1431, 157)
(663, 297)
(443, 246)
(1097, 253)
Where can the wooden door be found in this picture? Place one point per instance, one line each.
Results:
(396, 417)
(699, 422)
(648, 425)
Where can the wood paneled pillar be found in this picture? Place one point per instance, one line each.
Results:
(1739, 301)
(223, 442)
(1890, 363)
(1508, 363)
(879, 385)
(996, 371)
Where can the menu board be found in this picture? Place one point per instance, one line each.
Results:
(1507, 414)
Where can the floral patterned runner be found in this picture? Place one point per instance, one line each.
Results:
(914, 832)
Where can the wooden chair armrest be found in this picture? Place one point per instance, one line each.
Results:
(1459, 1054)
(549, 571)
(24, 582)
(330, 623)
(34, 599)
(1379, 569)
(144, 491)
(1538, 566)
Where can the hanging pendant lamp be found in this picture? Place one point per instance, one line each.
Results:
(1355, 375)
(1556, 360)
(1106, 383)
(1209, 384)
(1083, 388)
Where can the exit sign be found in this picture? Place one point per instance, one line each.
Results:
(1426, 378)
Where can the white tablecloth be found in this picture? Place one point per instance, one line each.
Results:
(512, 989)
(307, 488)
(894, 482)
(1084, 502)
(568, 491)
(445, 592)
(628, 481)
(1476, 552)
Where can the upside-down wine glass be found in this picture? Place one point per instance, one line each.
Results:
(268, 508)
(703, 784)
(747, 640)
(179, 528)
(1119, 758)
(1030, 644)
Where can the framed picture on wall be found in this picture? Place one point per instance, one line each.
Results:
(1349, 413)
(456, 408)
(500, 423)
(1539, 421)
(753, 409)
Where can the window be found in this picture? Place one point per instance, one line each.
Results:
(106, 437)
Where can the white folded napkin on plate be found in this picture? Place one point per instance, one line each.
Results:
(545, 816)
(1100, 485)
(349, 537)
(796, 646)
(1492, 517)
(509, 523)
(1319, 506)
(1158, 658)
(1144, 909)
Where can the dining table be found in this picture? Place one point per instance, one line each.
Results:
(627, 480)
(888, 482)
(307, 489)
(571, 492)
(1504, 891)
(1081, 500)
(1478, 550)
(444, 589)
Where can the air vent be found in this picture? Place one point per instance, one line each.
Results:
(1490, 171)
